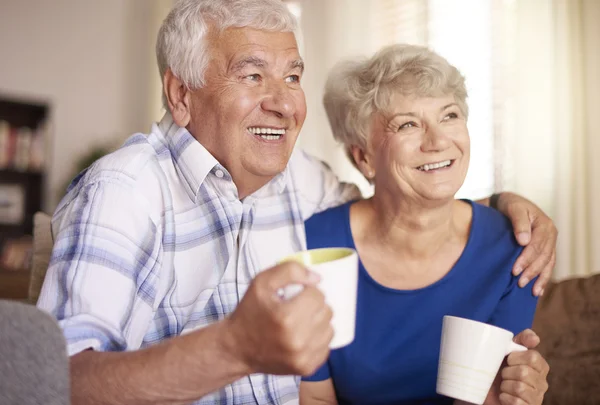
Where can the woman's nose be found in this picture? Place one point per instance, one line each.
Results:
(435, 139)
(279, 101)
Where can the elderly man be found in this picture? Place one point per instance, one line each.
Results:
(157, 271)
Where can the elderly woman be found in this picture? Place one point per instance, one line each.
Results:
(402, 116)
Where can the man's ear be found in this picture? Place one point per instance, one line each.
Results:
(362, 161)
(178, 98)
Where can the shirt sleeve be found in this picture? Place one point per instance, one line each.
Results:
(321, 374)
(102, 280)
(516, 309)
(317, 186)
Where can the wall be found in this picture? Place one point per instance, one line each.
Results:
(91, 60)
(326, 40)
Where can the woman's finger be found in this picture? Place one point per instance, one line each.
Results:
(530, 358)
(508, 399)
(520, 390)
(524, 374)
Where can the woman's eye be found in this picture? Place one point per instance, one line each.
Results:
(293, 79)
(450, 116)
(406, 125)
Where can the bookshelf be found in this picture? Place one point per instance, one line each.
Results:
(22, 179)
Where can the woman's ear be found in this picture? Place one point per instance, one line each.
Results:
(362, 161)
(178, 98)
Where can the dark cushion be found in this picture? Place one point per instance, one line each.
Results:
(568, 323)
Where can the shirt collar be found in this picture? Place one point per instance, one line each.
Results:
(194, 162)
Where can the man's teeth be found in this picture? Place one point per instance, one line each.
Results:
(432, 166)
(269, 134)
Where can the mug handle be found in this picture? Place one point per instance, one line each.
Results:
(514, 347)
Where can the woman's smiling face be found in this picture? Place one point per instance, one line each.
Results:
(421, 149)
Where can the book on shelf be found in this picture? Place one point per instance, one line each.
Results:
(21, 148)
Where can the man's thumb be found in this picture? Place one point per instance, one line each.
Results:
(287, 273)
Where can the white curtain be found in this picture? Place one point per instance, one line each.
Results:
(553, 60)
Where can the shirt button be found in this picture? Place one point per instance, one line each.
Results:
(219, 174)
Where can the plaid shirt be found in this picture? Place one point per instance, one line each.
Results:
(153, 242)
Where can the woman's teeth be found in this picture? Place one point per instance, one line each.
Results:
(269, 134)
(433, 166)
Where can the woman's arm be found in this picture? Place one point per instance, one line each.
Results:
(317, 393)
(533, 229)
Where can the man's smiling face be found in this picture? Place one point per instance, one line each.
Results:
(249, 113)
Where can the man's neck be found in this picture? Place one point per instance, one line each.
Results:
(250, 184)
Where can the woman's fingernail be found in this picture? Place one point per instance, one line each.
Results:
(523, 281)
(542, 292)
(517, 270)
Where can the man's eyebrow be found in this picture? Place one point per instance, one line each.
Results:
(297, 64)
(250, 60)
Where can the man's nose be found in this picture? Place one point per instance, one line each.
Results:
(279, 101)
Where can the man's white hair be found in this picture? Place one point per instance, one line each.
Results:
(181, 44)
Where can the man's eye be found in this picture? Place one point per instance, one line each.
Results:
(410, 124)
(293, 79)
(254, 77)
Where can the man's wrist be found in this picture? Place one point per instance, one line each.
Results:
(494, 199)
(231, 346)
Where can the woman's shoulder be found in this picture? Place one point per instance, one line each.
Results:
(328, 227)
(493, 229)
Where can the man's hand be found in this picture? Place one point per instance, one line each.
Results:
(537, 232)
(276, 336)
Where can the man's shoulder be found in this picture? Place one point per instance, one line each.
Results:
(129, 162)
(132, 172)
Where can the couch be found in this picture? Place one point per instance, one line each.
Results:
(568, 323)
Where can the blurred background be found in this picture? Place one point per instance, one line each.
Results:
(77, 77)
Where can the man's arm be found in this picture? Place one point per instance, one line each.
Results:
(534, 230)
(263, 335)
(176, 371)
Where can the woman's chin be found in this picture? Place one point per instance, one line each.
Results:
(439, 195)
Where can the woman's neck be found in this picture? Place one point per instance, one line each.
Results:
(408, 228)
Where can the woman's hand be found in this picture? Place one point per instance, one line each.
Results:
(537, 232)
(523, 378)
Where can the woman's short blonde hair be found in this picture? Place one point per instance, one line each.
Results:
(356, 90)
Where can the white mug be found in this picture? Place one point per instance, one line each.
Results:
(338, 269)
(471, 353)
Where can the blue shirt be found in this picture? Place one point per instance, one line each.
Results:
(394, 357)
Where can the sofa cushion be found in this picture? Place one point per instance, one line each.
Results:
(568, 323)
